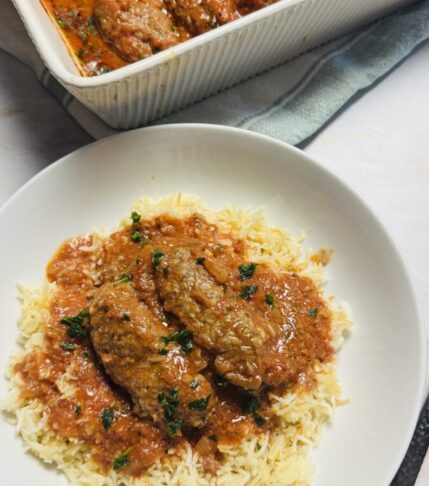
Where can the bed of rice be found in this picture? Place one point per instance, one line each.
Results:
(276, 458)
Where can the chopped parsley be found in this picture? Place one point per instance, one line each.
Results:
(163, 351)
(125, 278)
(85, 355)
(252, 404)
(77, 410)
(269, 299)
(200, 404)
(136, 217)
(313, 312)
(157, 256)
(182, 337)
(247, 291)
(169, 404)
(80, 53)
(246, 271)
(213, 437)
(194, 383)
(136, 237)
(74, 324)
(200, 260)
(68, 347)
(121, 460)
(61, 23)
(126, 316)
(107, 416)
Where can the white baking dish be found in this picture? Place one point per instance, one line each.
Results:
(151, 88)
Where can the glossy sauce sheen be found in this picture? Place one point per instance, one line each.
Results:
(94, 56)
(297, 308)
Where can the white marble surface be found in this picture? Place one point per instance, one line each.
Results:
(379, 145)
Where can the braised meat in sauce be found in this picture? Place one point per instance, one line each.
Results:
(135, 28)
(170, 337)
(107, 34)
(126, 335)
(227, 326)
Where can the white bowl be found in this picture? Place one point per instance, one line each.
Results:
(381, 366)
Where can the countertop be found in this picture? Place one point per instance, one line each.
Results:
(379, 145)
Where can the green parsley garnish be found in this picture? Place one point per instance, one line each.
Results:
(85, 355)
(200, 404)
(163, 351)
(136, 217)
(313, 312)
(125, 278)
(246, 271)
(213, 437)
(269, 299)
(157, 256)
(74, 324)
(251, 404)
(121, 460)
(200, 260)
(68, 347)
(107, 417)
(61, 23)
(182, 337)
(169, 404)
(126, 316)
(136, 237)
(77, 410)
(194, 383)
(80, 53)
(247, 291)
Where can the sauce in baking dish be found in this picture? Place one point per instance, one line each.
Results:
(103, 35)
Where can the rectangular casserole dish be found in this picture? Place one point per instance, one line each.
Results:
(156, 86)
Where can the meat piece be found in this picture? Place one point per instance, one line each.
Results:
(227, 326)
(126, 336)
(135, 28)
(199, 16)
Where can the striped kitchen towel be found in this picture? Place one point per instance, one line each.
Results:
(292, 102)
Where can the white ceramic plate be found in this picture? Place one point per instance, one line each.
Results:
(380, 367)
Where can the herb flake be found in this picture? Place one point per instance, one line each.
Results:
(121, 460)
(246, 270)
(77, 410)
(107, 416)
(136, 217)
(269, 299)
(252, 404)
(157, 257)
(74, 324)
(125, 278)
(68, 347)
(200, 260)
(200, 404)
(169, 404)
(247, 291)
(182, 337)
(313, 312)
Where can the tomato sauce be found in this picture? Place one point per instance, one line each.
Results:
(99, 413)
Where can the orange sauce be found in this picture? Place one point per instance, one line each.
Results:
(80, 416)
